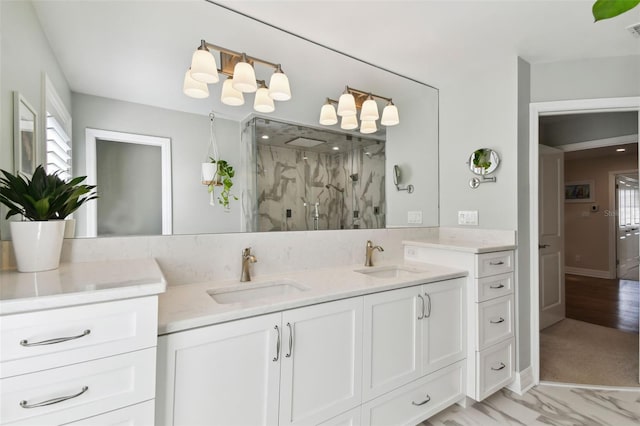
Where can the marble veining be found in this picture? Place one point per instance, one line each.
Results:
(547, 405)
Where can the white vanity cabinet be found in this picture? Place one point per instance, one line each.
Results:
(72, 363)
(490, 295)
(301, 366)
(411, 332)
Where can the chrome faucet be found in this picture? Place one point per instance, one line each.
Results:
(247, 258)
(370, 249)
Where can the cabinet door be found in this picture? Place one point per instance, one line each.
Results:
(321, 361)
(444, 325)
(392, 347)
(224, 374)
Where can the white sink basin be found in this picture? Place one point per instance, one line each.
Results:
(254, 291)
(391, 271)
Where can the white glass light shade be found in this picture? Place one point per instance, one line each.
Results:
(328, 115)
(368, 126)
(263, 102)
(208, 173)
(229, 95)
(346, 105)
(203, 67)
(369, 110)
(244, 78)
(279, 89)
(390, 116)
(194, 88)
(349, 122)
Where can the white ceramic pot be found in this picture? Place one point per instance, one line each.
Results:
(37, 245)
(70, 228)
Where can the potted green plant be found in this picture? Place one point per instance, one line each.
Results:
(43, 200)
(223, 177)
(482, 159)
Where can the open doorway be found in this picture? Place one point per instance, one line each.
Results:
(588, 312)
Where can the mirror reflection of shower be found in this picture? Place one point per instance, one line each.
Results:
(314, 179)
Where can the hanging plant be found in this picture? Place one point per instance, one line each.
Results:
(224, 177)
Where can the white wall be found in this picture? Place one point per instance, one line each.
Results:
(25, 55)
(586, 79)
(478, 110)
(189, 134)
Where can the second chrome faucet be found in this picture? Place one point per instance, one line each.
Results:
(247, 258)
(369, 253)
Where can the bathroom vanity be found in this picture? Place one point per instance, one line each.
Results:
(78, 344)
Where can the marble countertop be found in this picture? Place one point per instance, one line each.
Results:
(79, 283)
(189, 306)
(461, 244)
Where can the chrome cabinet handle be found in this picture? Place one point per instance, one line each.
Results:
(497, 322)
(495, 287)
(277, 357)
(422, 315)
(290, 340)
(25, 404)
(499, 368)
(428, 305)
(26, 343)
(499, 262)
(423, 402)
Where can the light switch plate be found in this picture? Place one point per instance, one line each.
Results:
(414, 217)
(468, 217)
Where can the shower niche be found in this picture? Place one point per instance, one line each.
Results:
(314, 179)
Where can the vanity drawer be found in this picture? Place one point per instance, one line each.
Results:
(418, 400)
(495, 368)
(94, 387)
(135, 415)
(41, 340)
(495, 321)
(489, 264)
(491, 287)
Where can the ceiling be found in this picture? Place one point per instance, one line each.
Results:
(423, 39)
(607, 151)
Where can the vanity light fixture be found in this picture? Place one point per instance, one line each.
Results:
(348, 104)
(241, 78)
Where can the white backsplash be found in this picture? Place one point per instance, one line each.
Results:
(186, 259)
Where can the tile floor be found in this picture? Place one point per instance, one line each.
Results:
(547, 405)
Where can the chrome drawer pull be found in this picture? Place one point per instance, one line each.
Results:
(497, 322)
(422, 314)
(417, 404)
(500, 262)
(54, 341)
(277, 357)
(25, 404)
(495, 287)
(499, 368)
(428, 314)
(290, 340)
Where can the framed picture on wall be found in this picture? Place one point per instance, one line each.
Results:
(25, 119)
(579, 192)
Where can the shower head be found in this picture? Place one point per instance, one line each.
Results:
(334, 187)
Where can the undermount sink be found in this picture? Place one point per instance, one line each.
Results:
(253, 291)
(391, 271)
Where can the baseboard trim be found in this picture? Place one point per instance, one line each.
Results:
(597, 387)
(595, 273)
(522, 382)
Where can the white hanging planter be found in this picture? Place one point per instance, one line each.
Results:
(37, 245)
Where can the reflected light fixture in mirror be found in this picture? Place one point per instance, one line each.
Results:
(328, 116)
(368, 126)
(346, 105)
(349, 122)
(390, 115)
(242, 79)
(369, 111)
(352, 100)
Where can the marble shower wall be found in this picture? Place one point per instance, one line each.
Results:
(295, 180)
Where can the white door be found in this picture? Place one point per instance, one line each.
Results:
(225, 374)
(392, 348)
(551, 236)
(627, 226)
(321, 361)
(444, 324)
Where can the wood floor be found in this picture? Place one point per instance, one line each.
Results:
(610, 303)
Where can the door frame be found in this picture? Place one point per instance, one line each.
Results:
(91, 138)
(613, 221)
(536, 110)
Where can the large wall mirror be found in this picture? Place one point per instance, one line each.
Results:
(117, 68)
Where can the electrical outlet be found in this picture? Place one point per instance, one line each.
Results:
(414, 217)
(468, 217)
